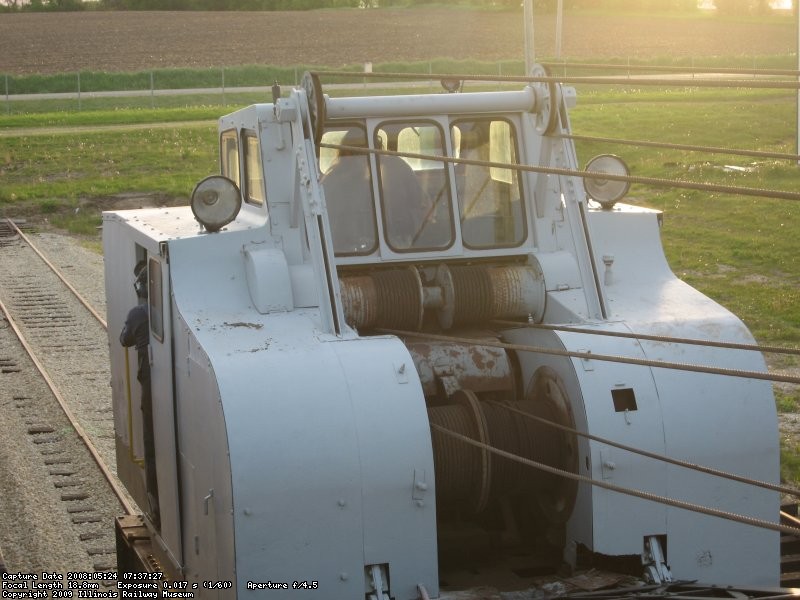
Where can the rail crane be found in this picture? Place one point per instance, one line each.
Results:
(379, 349)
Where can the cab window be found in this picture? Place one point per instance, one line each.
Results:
(414, 192)
(254, 179)
(347, 184)
(489, 199)
(229, 155)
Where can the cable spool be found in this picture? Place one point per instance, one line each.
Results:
(400, 299)
(515, 435)
(485, 292)
(459, 468)
(391, 298)
(359, 300)
(518, 291)
(474, 300)
(470, 478)
(459, 295)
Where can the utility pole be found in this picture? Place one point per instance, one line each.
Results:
(530, 58)
(559, 26)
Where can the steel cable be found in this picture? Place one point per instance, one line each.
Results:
(760, 375)
(688, 147)
(721, 83)
(654, 181)
(623, 490)
(653, 455)
(674, 69)
(652, 337)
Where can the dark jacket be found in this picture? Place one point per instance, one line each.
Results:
(137, 333)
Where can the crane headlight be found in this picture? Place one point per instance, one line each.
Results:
(607, 192)
(216, 201)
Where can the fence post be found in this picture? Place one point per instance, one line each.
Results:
(8, 104)
(224, 103)
(79, 91)
(152, 92)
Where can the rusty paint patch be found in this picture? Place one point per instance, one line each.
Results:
(242, 324)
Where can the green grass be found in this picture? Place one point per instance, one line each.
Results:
(740, 250)
(159, 79)
(786, 403)
(790, 461)
(94, 165)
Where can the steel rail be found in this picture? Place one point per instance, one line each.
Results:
(58, 274)
(619, 489)
(674, 69)
(716, 83)
(652, 337)
(654, 181)
(646, 453)
(689, 147)
(118, 491)
(695, 368)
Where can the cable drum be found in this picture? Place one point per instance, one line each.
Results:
(473, 298)
(513, 435)
(399, 297)
(470, 480)
(391, 298)
(517, 290)
(359, 300)
(458, 468)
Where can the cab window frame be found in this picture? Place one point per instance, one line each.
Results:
(254, 190)
(349, 127)
(520, 181)
(225, 138)
(386, 135)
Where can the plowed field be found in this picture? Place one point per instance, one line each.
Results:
(126, 41)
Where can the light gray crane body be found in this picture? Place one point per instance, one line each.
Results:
(293, 434)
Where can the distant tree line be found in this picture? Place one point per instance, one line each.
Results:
(727, 7)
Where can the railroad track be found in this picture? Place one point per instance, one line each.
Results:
(56, 415)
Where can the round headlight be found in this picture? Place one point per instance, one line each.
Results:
(216, 202)
(607, 192)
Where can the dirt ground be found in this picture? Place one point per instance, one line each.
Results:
(129, 41)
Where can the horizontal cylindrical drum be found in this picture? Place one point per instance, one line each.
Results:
(460, 295)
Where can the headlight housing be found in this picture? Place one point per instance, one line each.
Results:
(606, 192)
(216, 201)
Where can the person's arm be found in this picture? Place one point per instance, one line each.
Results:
(134, 320)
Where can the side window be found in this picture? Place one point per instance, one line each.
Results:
(254, 180)
(155, 299)
(229, 155)
(347, 183)
(415, 192)
(489, 198)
